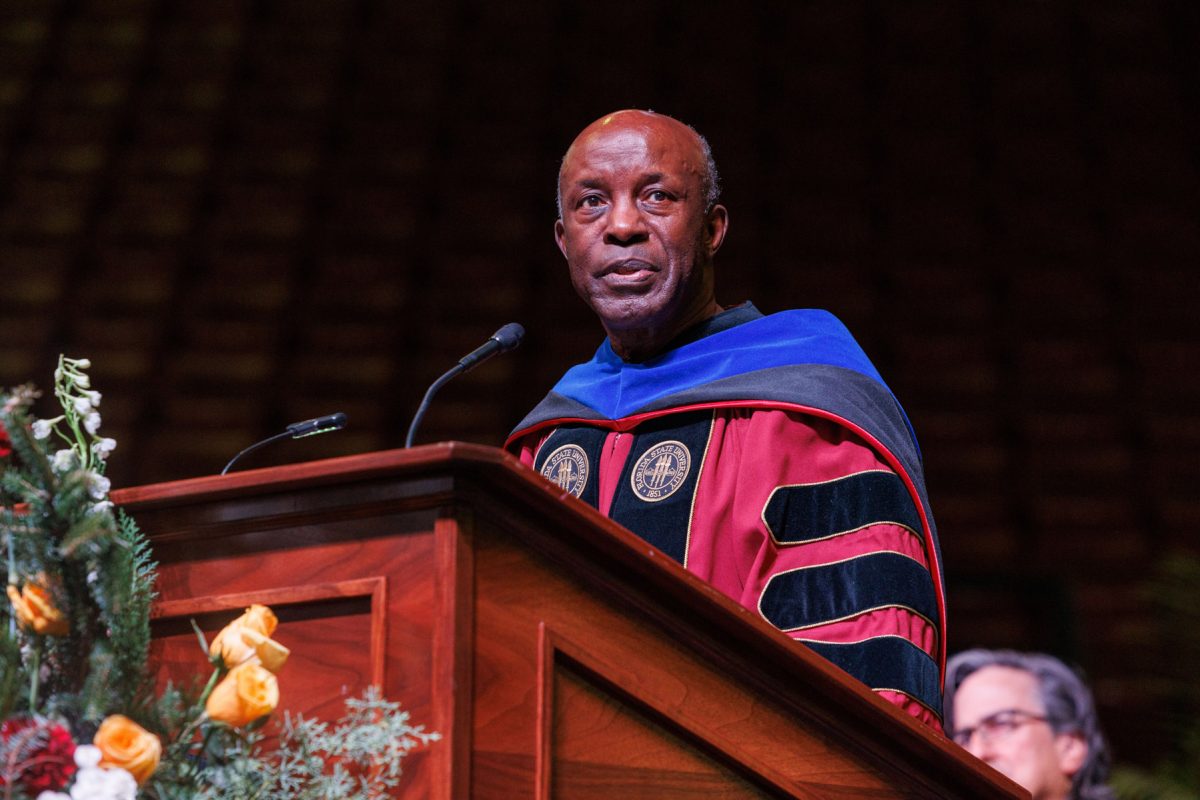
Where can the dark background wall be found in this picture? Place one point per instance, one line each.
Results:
(249, 213)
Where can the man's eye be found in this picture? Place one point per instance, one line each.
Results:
(590, 201)
(659, 196)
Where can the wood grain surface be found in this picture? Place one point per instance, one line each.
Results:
(559, 655)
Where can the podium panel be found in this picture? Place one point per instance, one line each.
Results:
(559, 655)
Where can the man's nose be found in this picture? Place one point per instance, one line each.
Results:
(626, 225)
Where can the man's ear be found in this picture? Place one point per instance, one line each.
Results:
(560, 236)
(716, 223)
(1072, 752)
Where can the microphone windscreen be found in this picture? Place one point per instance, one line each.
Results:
(325, 424)
(336, 421)
(509, 336)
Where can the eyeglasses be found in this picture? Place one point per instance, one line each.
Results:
(996, 726)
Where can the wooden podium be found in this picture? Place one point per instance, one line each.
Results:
(558, 654)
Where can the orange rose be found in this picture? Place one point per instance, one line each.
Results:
(125, 744)
(35, 611)
(271, 654)
(248, 692)
(248, 637)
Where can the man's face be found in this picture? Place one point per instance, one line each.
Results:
(634, 229)
(1021, 745)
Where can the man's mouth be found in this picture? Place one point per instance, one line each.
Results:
(629, 270)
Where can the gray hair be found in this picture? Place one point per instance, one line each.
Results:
(1066, 698)
(710, 180)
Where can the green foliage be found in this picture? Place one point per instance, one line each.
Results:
(358, 758)
(183, 764)
(28, 452)
(1174, 593)
(129, 618)
(11, 683)
(59, 532)
(62, 539)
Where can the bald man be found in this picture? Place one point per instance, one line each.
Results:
(764, 453)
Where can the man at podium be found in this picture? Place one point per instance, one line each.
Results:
(764, 453)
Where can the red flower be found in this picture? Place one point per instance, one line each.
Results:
(5, 443)
(46, 767)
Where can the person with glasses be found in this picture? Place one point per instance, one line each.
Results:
(1031, 717)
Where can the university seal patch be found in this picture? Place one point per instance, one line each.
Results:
(568, 467)
(660, 471)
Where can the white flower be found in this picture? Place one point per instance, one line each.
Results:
(87, 755)
(98, 486)
(97, 783)
(91, 422)
(53, 796)
(102, 447)
(82, 405)
(121, 785)
(64, 460)
(94, 397)
(102, 506)
(83, 363)
(83, 381)
(41, 428)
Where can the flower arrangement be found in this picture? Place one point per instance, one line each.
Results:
(77, 719)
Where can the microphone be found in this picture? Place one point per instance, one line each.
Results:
(311, 427)
(297, 430)
(503, 340)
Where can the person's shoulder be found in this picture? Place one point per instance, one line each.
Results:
(799, 324)
(819, 317)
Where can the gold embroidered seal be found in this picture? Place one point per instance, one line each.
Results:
(660, 471)
(568, 467)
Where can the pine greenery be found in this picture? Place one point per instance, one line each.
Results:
(54, 522)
